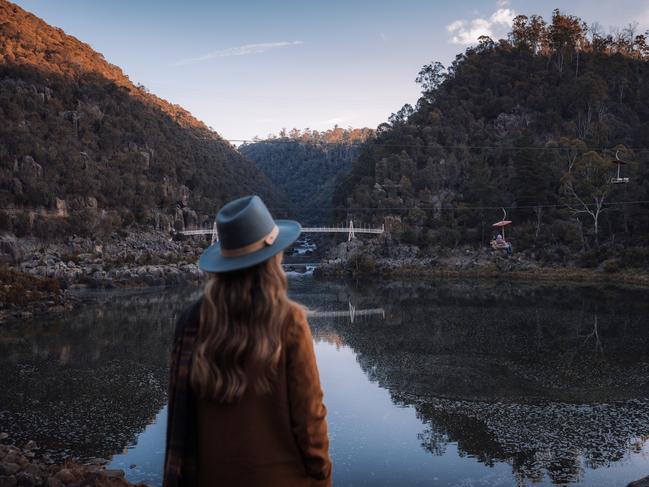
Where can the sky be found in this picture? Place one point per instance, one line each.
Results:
(250, 68)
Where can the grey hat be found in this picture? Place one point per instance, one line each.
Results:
(248, 235)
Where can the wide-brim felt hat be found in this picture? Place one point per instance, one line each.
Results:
(247, 235)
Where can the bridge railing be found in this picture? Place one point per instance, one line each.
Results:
(350, 230)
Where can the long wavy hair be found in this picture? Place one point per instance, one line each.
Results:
(239, 343)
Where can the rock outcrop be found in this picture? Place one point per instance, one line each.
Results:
(643, 482)
(10, 252)
(25, 467)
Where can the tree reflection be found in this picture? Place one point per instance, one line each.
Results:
(551, 379)
(86, 384)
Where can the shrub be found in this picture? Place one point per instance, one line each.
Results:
(611, 265)
(18, 288)
(362, 263)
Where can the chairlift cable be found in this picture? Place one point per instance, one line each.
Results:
(370, 143)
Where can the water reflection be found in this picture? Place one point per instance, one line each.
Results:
(85, 385)
(552, 380)
(486, 341)
(512, 383)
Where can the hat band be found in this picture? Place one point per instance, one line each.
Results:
(253, 247)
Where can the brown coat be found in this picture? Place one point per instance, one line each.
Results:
(277, 439)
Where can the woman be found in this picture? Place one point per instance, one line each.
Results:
(245, 403)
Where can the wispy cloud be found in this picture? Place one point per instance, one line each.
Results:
(238, 51)
(466, 32)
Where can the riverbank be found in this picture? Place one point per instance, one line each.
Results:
(126, 259)
(28, 468)
(39, 277)
(23, 296)
(371, 258)
(44, 277)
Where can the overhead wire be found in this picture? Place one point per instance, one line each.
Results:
(470, 208)
(434, 145)
(446, 208)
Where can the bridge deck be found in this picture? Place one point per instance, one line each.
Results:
(340, 230)
(210, 231)
(304, 230)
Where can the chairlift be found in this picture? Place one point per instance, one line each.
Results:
(502, 223)
(499, 243)
(618, 179)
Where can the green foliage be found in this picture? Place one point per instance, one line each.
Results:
(74, 127)
(531, 123)
(305, 165)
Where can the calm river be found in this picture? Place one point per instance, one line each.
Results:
(450, 383)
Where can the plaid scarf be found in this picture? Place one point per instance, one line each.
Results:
(181, 449)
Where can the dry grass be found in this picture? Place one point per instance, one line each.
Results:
(638, 278)
(19, 289)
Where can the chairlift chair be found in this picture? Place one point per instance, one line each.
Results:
(501, 226)
(618, 179)
(502, 223)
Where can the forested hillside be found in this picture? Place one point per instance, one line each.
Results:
(305, 164)
(87, 150)
(530, 123)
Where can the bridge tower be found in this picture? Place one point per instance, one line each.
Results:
(352, 312)
(215, 233)
(351, 231)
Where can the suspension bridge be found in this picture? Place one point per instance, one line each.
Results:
(351, 230)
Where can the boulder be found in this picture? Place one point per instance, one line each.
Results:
(112, 474)
(61, 207)
(163, 222)
(31, 445)
(179, 220)
(11, 468)
(184, 194)
(190, 218)
(29, 168)
(69, 115)
(10, 251)
(33, 469)
(17, 187)
(82, 203)
(166, 187)
(7, 481)
(643, 482)
(54, 482)
(91, 202)
(65, 476)
(24, 479)
(90, 111)
(392, 224)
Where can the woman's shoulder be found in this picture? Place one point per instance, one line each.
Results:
(297, 326)
(296, 314)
